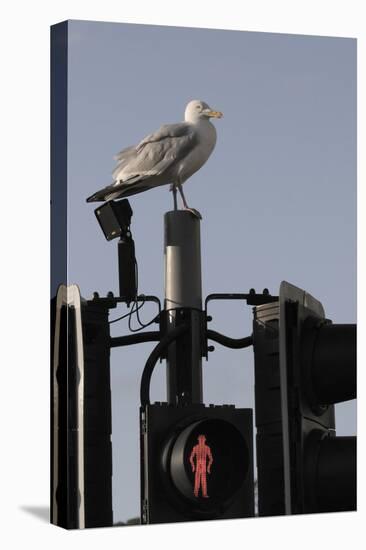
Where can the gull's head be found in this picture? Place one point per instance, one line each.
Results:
(199, 110)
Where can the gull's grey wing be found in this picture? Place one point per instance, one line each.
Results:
(156, 152)
(124, 153)
(179, 130)
(138, 167)
(123, 158)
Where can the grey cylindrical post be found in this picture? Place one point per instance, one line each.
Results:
(183, 303)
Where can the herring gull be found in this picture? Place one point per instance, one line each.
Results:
(170, 155)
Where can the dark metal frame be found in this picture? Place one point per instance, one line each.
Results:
(164, 338)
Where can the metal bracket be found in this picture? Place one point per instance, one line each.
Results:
(252, 299)
(111, 300)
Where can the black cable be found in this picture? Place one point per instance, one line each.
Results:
(142, 325)
(135, 309)
(116, 341)
(125, 315)
(154, 357)
(155, 320)
(234, 343)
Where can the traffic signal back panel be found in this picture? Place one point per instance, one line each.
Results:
(318, 369)
(196, 463)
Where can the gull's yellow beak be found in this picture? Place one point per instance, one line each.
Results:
(215, 114)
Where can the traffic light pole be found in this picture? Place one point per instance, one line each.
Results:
(183, 305)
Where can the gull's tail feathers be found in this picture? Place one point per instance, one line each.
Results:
(120, 190)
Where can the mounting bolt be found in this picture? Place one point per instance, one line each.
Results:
(265, 291)
(210, 348)
(208, 318)
(110, 294)
(95, 295)
(252, 291)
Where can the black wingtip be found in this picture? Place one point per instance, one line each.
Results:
(100, 196)
(95, 198)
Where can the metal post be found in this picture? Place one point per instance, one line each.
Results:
(183, 302)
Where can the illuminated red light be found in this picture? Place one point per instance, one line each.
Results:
(202, 453)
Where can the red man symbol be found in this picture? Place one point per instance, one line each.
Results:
(201, 452)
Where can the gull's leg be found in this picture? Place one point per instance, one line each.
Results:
(173, 189)
(192, 210)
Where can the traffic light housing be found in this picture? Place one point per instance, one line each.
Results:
(268, 416)
(196, 462)
(317, 370)
(81, 425)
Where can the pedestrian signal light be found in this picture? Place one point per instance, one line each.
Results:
(197, 462)
(201, 461)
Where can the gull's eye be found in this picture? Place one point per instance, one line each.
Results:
(199, 107)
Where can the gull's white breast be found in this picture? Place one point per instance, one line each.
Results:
(206, 141)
